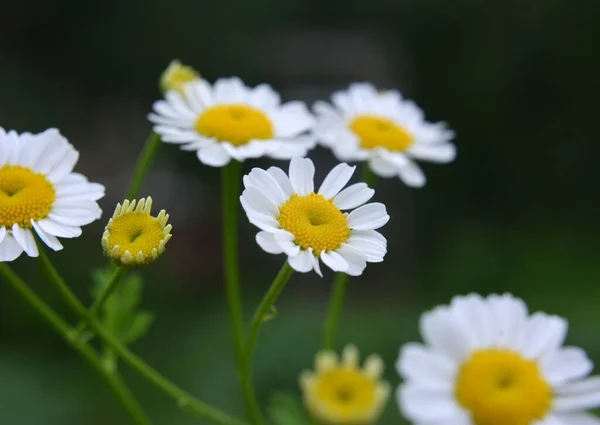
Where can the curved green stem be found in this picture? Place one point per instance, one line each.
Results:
(263, 308)
(334, 310)
(117, 386)
(104, 296)
(143, 165)
(259, 317)
(108, 291)
(185, 400)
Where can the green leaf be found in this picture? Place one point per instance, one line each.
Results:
(120, 314)
(287, 409)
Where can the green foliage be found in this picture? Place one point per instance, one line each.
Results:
(120, 314)
(286, 409)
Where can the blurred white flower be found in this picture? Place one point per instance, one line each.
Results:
(486, 361)
(384, 129)
(232, 121)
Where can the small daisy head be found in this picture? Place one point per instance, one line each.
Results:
(340, 392)
(381, 127)
(487, 361)
(176, 76)
(39, 192)
(232, 121)
(133, 237)
(308, 225)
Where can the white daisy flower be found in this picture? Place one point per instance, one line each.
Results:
(487, 361)
(384, 129)
(39, 191)
(232, 121)
(307, 226)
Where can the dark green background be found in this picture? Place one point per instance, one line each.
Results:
(517, 211)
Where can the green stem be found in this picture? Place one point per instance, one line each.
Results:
(230, 177)
(264, 307)
(259, 316)
(185, 400)
(230, 191)
(334, 310)
(48, 315)
(368, 176)
(143, 164)
(108, 291)
(104, 296)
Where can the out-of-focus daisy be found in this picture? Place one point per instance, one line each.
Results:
(384, 129)
(307, 226)
(39, 192)
(133, 237)
(231, 121)
(343, 393)
(176, 76)
(486, 361)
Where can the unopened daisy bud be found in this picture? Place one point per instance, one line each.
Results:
(340, 392)
(176, 75)
(133, 237)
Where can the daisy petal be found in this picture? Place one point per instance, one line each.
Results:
(282, 180)
(291, 119)
(50, 240)
(579, 419)
(353, 196)
(372, 249)
(567, 364)
(213, 155)
(10, 249)
(336, 180)
(431, 407)
(25, 238)
(302, 262)
(268, 243)
(257, 201)
(441, 153)
(57, 229)
(334, 261)
(302, 172)
(425, 366)
(368, 217)
(356, 260)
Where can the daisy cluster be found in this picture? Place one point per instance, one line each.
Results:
(483, 361)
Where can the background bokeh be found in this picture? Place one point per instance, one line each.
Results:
(517, 211)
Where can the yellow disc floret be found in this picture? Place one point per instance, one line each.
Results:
(500, 387)
(133, 237)
(236, 124)
(24, 196)
(342, 392)
(378, 132)
(315, 222)
(176, 76)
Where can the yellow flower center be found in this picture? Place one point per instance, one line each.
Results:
(236, 124)
(377, 132)
(315, 222)
(24, 195)
(135, 232)
(346, 393)
(500, 387)
(177, 75)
